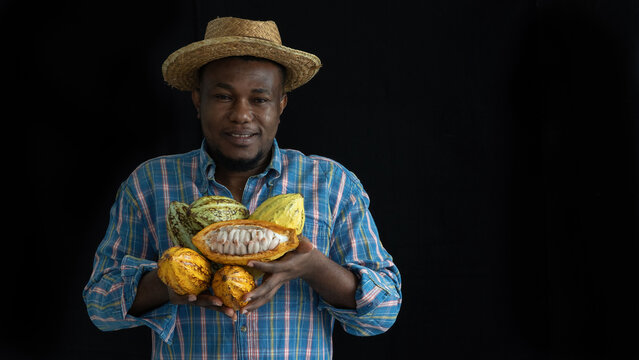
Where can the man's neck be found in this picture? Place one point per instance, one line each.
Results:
(235, 180)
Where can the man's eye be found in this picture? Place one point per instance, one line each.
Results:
(260, 100)
(222, 97)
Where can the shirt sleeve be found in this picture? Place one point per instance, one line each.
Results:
(356, 246)
(125, 254)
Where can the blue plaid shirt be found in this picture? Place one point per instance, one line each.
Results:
(297, 323)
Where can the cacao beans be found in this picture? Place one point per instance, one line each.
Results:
(230, 283)
(285, 209)
(184, 270)
(237, 242)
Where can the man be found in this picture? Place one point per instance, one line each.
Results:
(238, 77)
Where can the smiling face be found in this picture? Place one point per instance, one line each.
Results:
(239, 103)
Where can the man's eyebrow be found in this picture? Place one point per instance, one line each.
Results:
(224, 86)
(261, 91)
(229, 87)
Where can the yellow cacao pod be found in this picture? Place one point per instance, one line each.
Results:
(237, 242)
(184, 270)
(230, 283)
(285, 209)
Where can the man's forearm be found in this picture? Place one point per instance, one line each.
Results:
(151, 293)
(335, 284)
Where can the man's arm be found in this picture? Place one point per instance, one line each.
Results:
(335, 284)
(355, 278)
(151, 293)
(120, 264)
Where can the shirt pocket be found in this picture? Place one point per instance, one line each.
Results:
(318, 232)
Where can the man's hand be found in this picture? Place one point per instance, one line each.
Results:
(333, 282)
(204, 299)
(290, 266)
(152, 292)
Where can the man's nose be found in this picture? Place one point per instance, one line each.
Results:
(241, 112)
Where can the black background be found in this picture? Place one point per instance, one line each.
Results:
(497, 140)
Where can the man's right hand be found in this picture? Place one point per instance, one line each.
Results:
(205, 300)
(152, 292)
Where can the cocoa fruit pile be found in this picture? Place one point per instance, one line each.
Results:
(215, 237)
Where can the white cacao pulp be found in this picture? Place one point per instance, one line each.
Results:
(243, 240)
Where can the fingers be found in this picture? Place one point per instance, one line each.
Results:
(261, 294)
(261, 266)
(277, 273)
(304, 246)
(205, 300)
(271, 267)
(214, 303)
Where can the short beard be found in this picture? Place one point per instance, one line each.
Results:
(239, 165)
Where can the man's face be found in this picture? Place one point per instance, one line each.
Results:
(239, 104)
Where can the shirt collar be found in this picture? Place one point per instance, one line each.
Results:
(207, 165)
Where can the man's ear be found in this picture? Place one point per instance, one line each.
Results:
(195, 96)
(283, 102)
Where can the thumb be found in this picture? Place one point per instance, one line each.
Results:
(304, 246)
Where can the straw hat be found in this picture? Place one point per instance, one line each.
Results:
(229, 36)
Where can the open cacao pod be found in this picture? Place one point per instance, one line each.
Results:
(236, 242)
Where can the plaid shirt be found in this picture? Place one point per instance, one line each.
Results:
(297, 322)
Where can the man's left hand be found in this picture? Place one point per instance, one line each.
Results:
(276, 273)
(333, 282)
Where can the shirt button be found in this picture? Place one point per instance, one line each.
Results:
(243, 328)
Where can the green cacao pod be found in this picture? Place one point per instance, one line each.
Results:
(179, 225)
(286, 210)
(211, 209)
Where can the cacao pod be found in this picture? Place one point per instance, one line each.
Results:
(179, 225)
(211, 209)
(184, 270)
(285, 209)
(237, 242)
(230, 283)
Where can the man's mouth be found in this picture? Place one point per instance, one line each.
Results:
(241, 137)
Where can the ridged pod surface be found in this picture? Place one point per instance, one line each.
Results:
(184, 270)
(285, 209)
(237, 242)
(179, 225)
(212, 208)
(230, 283)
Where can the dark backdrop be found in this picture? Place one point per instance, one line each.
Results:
(496, 139)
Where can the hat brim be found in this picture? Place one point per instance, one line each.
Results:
(181, 67)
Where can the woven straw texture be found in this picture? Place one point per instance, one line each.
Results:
(230, 36)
